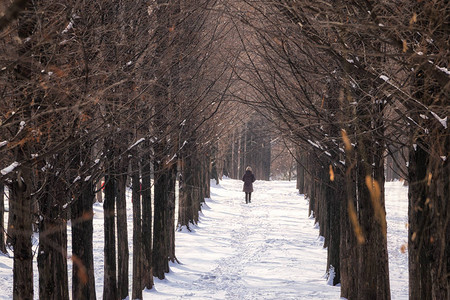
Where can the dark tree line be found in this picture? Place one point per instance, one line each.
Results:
(120, 92)
(354, 83)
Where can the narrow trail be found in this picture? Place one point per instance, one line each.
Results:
(267, 249)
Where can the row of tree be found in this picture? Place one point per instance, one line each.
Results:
(114, 91)
(351, 83)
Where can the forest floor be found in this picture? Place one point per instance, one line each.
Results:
(268, 249)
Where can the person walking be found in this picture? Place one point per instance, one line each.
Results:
(248, 180)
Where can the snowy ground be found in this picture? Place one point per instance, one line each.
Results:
(268, 249)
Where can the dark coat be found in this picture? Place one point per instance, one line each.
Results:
(248, 180)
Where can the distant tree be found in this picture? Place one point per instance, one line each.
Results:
(2, 222)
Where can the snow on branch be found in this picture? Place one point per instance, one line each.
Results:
(442, 121)
(10, 168)
(137, 143)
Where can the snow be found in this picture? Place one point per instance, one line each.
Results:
(9, 169)
(268, 249)
(71, 23)
(136, 143)
(315, 144)
(442, 121)
(445, 70)
(384, 77)
(331, 275)
(21, 126)
(3, 143)
(397, 235)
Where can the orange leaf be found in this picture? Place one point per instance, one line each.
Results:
(348, 145)
(82, 272)
(413, 19)
(87, 216)
(331, 173)
(403, 248)
(354, 220)
(375, 196)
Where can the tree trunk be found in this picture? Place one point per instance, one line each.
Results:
(334, 196)
(11, 222)
(21, 236)
(137, 232)
(207, 176)
(196, 189)
(83, 281)
(110, 279)
(349, 233)
(147, 220)
(20, 225)
(428, 231)
(160, 260)
(171, 213)
(185, 209)
(2, 215)
(99, 194)
(309, 190)
(383, 285)
(52, 253)
(373, 277)
(323, 205)
(429, 208)
(266, 158)
(162, 175)
(122, 233)
(234, 156)
(300, 173)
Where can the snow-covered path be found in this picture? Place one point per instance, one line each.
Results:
(268, 249)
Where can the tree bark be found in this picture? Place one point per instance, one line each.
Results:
(11, 221)
(349, 236)
(83, 280)
(52, 256)
(21, 236)
(428, 190)
(171, 212)
(122, 233)
(381, 250)
(300, 173)
(428, 231)
(138, 263)
(334, 196)
(160, 260)
(20, 226)
(147, 220)
(373, 276)
(161, 91)
(2, 215)
(185, 209)
(110, 278)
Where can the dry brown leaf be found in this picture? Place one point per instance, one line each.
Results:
(331, 173)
